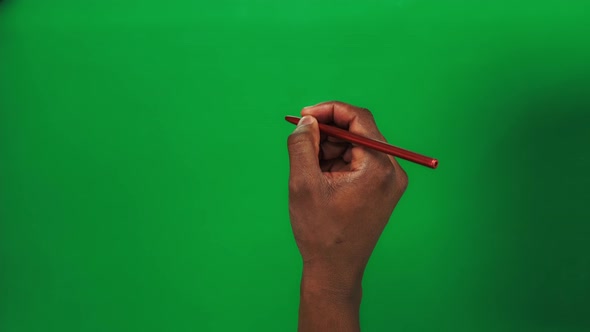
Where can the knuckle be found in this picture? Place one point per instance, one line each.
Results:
(299, 187)
(367, 114)
(366, 111)
(367, 120)
(336, 102)
(393, 178)
(402, 180)
(389, 173)
(385, 175)
(295, 186)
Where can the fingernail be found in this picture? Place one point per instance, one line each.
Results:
(305, 121)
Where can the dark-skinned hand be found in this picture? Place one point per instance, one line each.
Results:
(341, 197)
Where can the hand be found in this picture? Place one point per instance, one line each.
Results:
(340, 199)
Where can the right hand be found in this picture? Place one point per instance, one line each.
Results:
(341, 196)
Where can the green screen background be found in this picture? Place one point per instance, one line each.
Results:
(143, 163)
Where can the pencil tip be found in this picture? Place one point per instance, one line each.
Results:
(292, 119)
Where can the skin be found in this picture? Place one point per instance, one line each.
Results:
(341, 197)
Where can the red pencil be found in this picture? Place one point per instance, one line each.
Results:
(373, 144)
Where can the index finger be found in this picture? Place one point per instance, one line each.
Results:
(357, 120)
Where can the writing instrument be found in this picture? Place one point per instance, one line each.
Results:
(372, 144)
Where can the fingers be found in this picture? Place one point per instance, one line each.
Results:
(312, 153)
(331, 150)
(335, 165)
(357, 120)
(304, 145)
(335, 157)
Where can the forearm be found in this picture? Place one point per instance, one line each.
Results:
(329, 304)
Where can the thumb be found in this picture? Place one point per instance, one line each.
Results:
(304, 148)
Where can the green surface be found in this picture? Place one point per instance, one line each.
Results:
(143, 163)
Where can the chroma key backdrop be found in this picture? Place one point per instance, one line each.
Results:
(143, 161)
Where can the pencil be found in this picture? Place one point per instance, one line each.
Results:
(373, 144)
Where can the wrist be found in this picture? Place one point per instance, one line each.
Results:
(329, 302)
(338, 281)
(314, 289)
